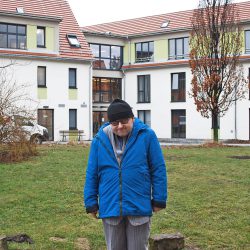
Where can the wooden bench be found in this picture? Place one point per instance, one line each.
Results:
(67, 133)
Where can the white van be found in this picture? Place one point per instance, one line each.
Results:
(36, 132)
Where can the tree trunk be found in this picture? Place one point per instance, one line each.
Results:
(215, 127)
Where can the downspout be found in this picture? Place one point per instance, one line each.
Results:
(123, 85)
(123, 71)
(90, 102)
(235, 119)
(129, 51)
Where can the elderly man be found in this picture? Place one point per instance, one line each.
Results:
(125, 179)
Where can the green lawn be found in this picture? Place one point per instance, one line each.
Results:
(208, 198)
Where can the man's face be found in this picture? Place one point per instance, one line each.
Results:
(122, 127)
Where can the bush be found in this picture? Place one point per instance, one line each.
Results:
(17, 151)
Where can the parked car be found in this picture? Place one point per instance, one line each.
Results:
(36, 132)
(9, 125)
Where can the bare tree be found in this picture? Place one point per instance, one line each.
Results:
(14, 105)
(216, 45)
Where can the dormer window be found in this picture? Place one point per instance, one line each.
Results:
(165, 24)
(19, 10)
(73, 41)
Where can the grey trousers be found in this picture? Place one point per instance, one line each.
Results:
(122, 235)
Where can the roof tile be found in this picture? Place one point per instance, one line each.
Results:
(68, 25)
(152, 24)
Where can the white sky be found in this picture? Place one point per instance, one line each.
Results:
(89, 12)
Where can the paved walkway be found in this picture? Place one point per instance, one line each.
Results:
(169, 143)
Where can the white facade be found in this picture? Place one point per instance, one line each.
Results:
(235, 124)
(197, 127)
(57, 96)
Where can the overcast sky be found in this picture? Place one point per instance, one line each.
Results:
(89, 12)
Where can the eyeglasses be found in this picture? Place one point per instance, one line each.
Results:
(122, 121)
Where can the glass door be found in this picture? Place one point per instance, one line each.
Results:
(99, 118)
(46, 119)
(178, 123)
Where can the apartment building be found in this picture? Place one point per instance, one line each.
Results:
(50, 55)
(145, 61)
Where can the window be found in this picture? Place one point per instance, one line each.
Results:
(107, 56)
(12, 36)
(178, 48)
(40, 35)
(178, 87)
(106, 89)
(179, 123)
(72, 78)
(145, 116)
(165, 24)
(41, 76)
(72, 119)
(144, 52)
(247, 39)
(143, 83)
(73, 41)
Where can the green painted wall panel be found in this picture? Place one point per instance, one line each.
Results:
(243, 37)
(73, 136)
(129, 52)
(72, 94)
(160, 50)
(42, 93)
(50, 38)
(126, 54)
(132, 53)
(31, 36)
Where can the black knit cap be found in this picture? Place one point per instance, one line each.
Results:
(119, 109)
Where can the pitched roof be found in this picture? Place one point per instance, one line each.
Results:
(53, 10)
(152, 24)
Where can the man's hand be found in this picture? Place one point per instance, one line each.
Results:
(157, 209)
(94, 214)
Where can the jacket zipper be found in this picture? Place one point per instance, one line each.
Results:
(120, 185)
(120, 170)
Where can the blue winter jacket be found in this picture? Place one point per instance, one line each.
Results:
(132, 187)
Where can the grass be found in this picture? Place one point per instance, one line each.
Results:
(208, 198)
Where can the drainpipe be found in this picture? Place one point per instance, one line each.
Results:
(123, 85)
(90, 102)
(235, 120)
(235, 116)
(129, 52)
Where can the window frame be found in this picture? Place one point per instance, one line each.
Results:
(74, 86)
(17, 35)
(74, 37)
(45, 77)
(178, 113)
(75, 120)
(144, 116)
(176, 56)
(181, 82)
(247, 49)
(143, 91)
(148, 58)
(101, 58)
(99, 92)
(44, 37)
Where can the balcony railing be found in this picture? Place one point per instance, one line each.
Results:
(144, 59)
